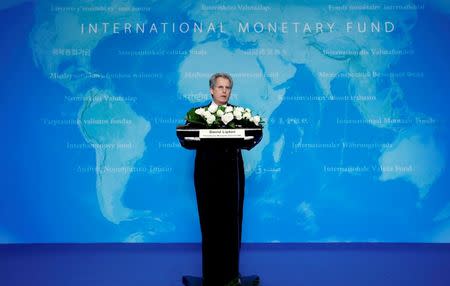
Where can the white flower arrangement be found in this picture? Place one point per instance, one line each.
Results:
(228, 116)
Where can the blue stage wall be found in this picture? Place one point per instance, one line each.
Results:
(354, 95)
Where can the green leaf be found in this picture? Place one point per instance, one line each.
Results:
(193, 117)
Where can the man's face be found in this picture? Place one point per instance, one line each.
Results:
(221, 91)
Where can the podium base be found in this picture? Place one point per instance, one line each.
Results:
(252, 280)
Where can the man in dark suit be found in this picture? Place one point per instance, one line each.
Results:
(219, 185)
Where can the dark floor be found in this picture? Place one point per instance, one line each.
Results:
(310, 264)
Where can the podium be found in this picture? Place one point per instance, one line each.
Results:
(241, 138)
(195, 138)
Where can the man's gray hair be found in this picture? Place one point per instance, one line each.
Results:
(213, 79)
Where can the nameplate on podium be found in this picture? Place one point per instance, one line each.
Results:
(221, 133)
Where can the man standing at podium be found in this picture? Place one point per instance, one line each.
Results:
(219, 185)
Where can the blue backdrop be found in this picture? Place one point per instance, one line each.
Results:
(354, 96)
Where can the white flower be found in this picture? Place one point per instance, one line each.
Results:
(241, 109)
(210, 119)
(248, 110)
(213, 107)
(247, 115)
(229, 109)
(207, 114)
(255, 119)
(237, 113)
(200, 111)
(227, 117)
(220, 113)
